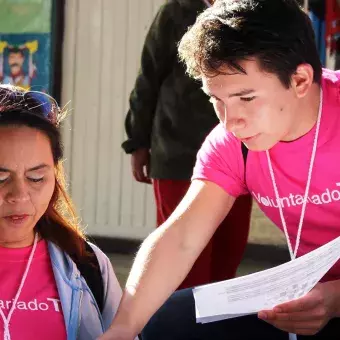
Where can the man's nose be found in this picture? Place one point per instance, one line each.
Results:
(233, 120)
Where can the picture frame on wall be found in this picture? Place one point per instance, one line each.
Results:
(31, 35)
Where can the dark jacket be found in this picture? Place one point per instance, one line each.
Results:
(169, 113)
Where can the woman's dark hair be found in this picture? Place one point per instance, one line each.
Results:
(277, 33)
(59, 224)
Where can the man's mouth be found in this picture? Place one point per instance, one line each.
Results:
(249, 139)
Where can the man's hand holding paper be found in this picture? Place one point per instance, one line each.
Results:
(308, 314)
(293, 287)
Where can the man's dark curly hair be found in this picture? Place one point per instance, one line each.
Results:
(277, 33)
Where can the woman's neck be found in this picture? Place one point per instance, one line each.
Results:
(22, 242)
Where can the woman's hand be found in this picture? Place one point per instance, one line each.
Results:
(309, 314)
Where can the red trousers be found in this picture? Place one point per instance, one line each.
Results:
(223, 254)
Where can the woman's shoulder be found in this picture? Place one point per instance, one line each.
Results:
(106, 268)
(101, 256)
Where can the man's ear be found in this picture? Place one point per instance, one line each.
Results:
(302, 79)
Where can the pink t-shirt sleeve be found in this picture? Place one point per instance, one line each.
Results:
(220, 161)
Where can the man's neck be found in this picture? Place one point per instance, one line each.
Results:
(306, 114)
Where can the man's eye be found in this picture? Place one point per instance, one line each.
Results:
(247, 99)
(3, 180)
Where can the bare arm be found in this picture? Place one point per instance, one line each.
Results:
(167, 255)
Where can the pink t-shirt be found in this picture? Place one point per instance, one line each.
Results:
(38, 314)
(220, 161)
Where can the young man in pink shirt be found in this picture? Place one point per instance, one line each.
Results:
(258, 62)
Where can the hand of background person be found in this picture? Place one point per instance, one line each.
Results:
(309, 314)
(140, 164)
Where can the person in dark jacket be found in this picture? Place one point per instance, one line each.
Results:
(168, 120)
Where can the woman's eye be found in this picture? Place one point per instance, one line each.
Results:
(247, 99)
(36, 180)
(3, 180)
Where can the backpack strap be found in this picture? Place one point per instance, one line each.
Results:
(90, 271)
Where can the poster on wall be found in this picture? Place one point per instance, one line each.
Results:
(24, 60)
(26, 43)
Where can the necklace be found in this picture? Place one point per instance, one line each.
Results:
(305, 198)
(7, 335)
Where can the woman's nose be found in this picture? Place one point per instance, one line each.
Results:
(18, 192)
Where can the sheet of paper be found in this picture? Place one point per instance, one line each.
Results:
(266, 289)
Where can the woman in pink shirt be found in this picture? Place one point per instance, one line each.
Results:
(258, 62)
(54, 285)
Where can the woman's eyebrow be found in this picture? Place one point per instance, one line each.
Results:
(38, 167)
(35, 168)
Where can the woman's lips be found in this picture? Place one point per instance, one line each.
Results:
(16, 219)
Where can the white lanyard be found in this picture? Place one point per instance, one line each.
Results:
(7, 335)
(305, 199)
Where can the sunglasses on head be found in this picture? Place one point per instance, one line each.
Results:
(34, 102)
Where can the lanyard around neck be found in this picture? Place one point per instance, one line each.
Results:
(292, 252)
(6, 321)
